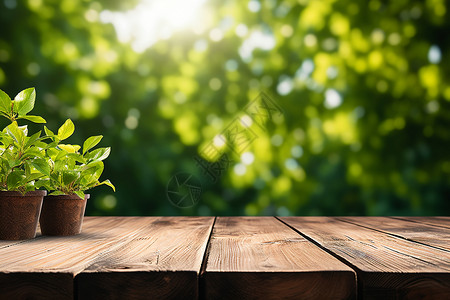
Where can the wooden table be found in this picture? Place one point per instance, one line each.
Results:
(234, 258)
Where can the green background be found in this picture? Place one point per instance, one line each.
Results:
(382, 147)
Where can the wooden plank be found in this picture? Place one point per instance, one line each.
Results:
(162, 261)
(6, 244)
(261, 258)
(422, 233)
(44, 268)
(436, 221)
(387, 266)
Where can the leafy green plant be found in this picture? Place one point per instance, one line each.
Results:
(19, 108)
(73, 169)
(22, 157)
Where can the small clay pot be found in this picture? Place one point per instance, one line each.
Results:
(19, 214)
(62, 215)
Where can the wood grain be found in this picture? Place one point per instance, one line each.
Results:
(44, 268)
(261, 258)
(387, 266)
(161, 261)
(247, 257)
(419, 232)
(436, 221)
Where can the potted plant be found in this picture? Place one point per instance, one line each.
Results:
(72, 172)
(22, 165)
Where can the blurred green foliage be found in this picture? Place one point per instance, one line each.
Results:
(364, 86)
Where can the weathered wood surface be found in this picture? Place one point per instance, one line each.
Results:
(44, 267)
(162, 261)
(387, 266)
(418, 232)
(437, 221)
(261, 258)
(50, 263)
(234, 257)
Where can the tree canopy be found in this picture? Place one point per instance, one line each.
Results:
(361, 88)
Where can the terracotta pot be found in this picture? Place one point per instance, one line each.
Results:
(62, 215)
(19, 214)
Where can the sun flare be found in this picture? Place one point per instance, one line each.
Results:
(153, 20)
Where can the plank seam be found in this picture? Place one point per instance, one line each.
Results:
(200, 283)
(421, 222)
(341, 259)
(393, 234)
(207, 250)
(75, 287)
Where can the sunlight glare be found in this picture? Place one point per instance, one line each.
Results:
(151, 21)
(332, 99)
(257, 40)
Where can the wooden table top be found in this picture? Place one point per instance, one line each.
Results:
(234, 258)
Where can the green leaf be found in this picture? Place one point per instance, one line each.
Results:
(52, 153)
(34, 119)
(5, 103)
(67, 148)
(93, 169)
(41, 165)
(60, 165)
(24, 101)
(24, 129)
(6, 159)
(66, 130)
(33, 176)
(15, 180)
(43, 145)
(90, 174)
(69, 176)
(99, 154)
(43, 183)
(29, 186)
(61, 157)
(32, 152)
(48, 132)
(76, 157)
(13, 163)
(80, 194)
(55, 177)
(56, 193)
(6, 139)
(32, 139)
(16, 133)
(91, 142)
(108, 183)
